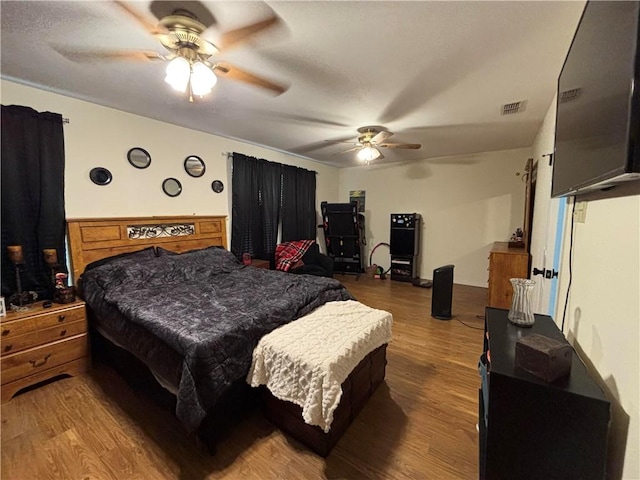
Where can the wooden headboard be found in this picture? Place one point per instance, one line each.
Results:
(92, 239)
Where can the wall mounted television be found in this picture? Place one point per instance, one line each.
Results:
(597, 138)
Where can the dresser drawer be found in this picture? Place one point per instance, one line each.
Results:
(39, 321)
(62, 331)
(17, 328)
(15, 343)
(30, 340)
(38, 359)
(60, 317)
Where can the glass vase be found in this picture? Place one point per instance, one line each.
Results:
(521, 311)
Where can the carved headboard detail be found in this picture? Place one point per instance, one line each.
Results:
(92, 239)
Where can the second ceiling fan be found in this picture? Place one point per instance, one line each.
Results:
(371, 139)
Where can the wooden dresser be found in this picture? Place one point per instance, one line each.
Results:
(42, 343)
(505, 263)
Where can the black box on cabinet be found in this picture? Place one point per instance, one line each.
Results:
(544, 357)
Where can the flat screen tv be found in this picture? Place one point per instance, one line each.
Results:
(598, 110)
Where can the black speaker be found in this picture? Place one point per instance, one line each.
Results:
(442, 292)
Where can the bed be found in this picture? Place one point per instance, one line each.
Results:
(165, 291)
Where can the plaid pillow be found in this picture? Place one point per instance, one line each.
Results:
(289, 253)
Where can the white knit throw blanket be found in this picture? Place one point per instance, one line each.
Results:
(306, 361)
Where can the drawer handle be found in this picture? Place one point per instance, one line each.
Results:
(36, 363)
(5, 332)
(63, 333)
(61, 318)
(8, 347)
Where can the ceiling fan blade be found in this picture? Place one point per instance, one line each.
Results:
(381, 137)
(235, 73)
(96, 55)
(304, 119)
(345, 151)
(318, 145)
(410, 146)
(236, 37)
(151, 27)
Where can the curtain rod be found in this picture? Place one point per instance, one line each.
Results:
(229, 156)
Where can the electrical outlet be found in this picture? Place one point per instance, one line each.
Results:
(580, 212)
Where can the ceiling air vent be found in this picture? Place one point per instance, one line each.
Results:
(515, 107)
(569, 95)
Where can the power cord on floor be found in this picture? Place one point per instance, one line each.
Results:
(481, 317)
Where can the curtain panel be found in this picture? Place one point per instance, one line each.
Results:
(298, 204)
(267, 195)
(32, 182)
(257, 190)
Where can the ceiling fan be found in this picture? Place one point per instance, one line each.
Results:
(191, 67)
(371, 139)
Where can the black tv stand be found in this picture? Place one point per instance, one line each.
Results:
(531, 429)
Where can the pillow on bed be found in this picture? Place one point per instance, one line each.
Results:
(148, 252)
(216, 258)
(163, 252)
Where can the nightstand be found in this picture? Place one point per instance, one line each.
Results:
(256, 262)
(42, 343)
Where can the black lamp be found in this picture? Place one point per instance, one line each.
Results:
(20, 298)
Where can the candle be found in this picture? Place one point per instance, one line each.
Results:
(50, 256)
(15, 254)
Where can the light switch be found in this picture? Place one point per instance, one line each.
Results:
(580, 212)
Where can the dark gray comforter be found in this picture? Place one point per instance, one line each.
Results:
(208, 308)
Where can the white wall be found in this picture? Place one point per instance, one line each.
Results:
(100, 137)
(603, 313)
(466, 202)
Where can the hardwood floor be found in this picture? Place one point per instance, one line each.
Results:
(421, 423)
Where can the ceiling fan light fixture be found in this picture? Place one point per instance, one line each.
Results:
(202, 79)
(178, 73)
(368, 153)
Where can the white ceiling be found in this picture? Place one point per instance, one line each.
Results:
(435, 73)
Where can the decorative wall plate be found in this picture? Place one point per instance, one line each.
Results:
(194, 166)
(217, 186)
(139, 157)
(100, 176)
(172, 187)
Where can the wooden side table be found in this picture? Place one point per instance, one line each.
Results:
(42, 343)
(256, 262)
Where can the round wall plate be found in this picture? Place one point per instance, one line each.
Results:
(172, 187)
(217, 186)
(139, 157)
(100, 176)
(194, 166)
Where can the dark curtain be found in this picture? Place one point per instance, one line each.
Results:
(32, 181)
(256, 186)
(298, 204)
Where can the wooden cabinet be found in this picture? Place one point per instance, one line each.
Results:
(42, 343)
(531, 429)
(256, 262)
(505, 263)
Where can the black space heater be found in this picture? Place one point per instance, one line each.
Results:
(442, 293)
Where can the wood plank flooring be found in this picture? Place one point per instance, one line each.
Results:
(420, 424)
